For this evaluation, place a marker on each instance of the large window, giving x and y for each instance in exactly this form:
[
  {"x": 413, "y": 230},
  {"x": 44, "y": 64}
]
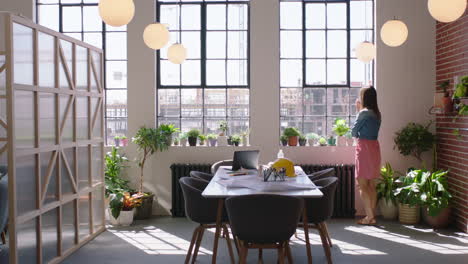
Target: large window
[
  {"x": 213, "y": 83},
  {"x": 320, "y": 76},
  {"x": 80, "y": 19}
]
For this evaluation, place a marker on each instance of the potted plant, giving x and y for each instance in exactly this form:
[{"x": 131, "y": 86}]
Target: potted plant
[
  {"x": 114, "y": 163},
  {"x": 117, "y": 141},
  {"x": 122, "y": 206},
  {"x": 193, "y": 136},
  {"x": 222, "y": 138},
  {"x": 245, "y": 137},
  {"x": 148, "y": 141},
  {"x": 446, "y": 100},
  {"x": 183, "y": 139},
  {"x": 414, "y": 139},
  {"x": 124, "y": 141},
  {"x": 212, "y": 139},
  {"x": 340, "y": 128},
  {"x": 168, "y": 130},
  {"x": 201, "y": 139},
  {"x": 435, "y": 198},
  {"x": 302, "y": 140},
  {"x": 312, "y": 138},
  {"x": 408, "y": 195},
  {"x": 349, "y": 138},
  {"x": 176, "y": 141},
  {"x": 386, "y": 187},
  {"x": 322, "y": 142},
  {"x": 235, "y": 140},
  {"x": 229, "y": 141},
  {"x": 293, "y": 135},
  {"x": 332, "y": 141},
  {"x": 284, "y": 140},
  {"x": 461, "y": 90}
]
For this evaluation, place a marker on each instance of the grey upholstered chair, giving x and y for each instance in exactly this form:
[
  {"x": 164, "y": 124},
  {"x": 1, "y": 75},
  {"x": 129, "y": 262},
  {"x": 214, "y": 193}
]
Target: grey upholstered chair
[
  {"x": 264, "y": 221},
  {"x": 319, "y": 210},
  {"x": 201, "y": 175},
  {"x": 330, "y": 172},
  {"x": 215, "y": 167},
  {"x": 203, "y": 211},
  {"x": 3, "y": 206}
]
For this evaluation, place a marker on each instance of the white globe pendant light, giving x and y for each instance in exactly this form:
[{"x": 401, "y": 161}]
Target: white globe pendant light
[
  {"x": 177, "y": 53},
  {"x": 116, "y": 13},
  {"x": 394, "y": 33},
  {"x": 365, "y": 51},
  {"x": 156, "y": 36},
  {"x": 446, "y": 10}
]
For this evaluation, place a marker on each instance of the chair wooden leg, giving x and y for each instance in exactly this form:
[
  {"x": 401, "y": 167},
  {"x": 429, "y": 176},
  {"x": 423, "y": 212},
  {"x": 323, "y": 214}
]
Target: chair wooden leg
[
  {"x": 260, "y": 256},
  {"x": 306, "y": 235},
  {"x": 281, "y": 253},
  {"x": 3, "y": 238},
  {"x": 244, "y": 251},
  {"x": 236, "y": 243},
  {"x": 192, "y": 243},
  {"x": 228, "y": 241},
  {"x": 197, "y": 247},
  {"x": 327, "y": 233},
  {"x": 288, "y": 252},
  {"x": 326, "y": 246}
]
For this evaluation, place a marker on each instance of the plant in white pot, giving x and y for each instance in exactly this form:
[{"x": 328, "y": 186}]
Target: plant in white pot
[
  {"x": 183, "y": 139},
  {"x": 245, "y": 137},
  {"x": 386, "y": 187},
  {"x": 312, "y": 139},
  {"x": 212, "y": 139},
  {"x": 341, "y": 128},
  {"x": 435, "y": 198},
  {"x": 122, "y": 206},
  {"x": 222, "y": 138}
]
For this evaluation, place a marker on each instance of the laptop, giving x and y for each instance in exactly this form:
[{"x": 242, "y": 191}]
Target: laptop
[{"x": 247, "y": 159}]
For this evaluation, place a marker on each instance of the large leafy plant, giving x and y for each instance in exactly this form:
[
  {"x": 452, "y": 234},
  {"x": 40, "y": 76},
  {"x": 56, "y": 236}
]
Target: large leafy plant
[
  {"x": 291, "y": 132},
  {"x": 149, "y": 141},
  {"x": 414, "y": 139},
  {"x": 123, "y": 201},
  {"x": 409, "y": 190},
  {"x": 387, "y": 184},
  {"x": 434, "y": 192},
  {"x": 340, "y": 127},
  {"x": 114, "y": 165}
]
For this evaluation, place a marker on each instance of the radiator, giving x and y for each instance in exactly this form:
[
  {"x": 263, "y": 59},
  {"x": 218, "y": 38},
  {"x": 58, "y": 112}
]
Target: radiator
[{"x": 344, "y": 196}]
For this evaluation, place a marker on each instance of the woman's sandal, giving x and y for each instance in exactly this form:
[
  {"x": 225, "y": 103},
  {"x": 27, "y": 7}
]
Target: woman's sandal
[{"x": 367, "y": 221}]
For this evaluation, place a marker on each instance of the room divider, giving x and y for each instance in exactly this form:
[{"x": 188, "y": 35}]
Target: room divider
[{"x": 51, "y": 139}]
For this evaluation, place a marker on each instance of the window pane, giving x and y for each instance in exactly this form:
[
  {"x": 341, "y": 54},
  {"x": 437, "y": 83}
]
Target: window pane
[
  {"x": 169, "y": 102},
  {"x": 337, "y": 44},
  {"x": 216, "y": 45},
  {"x": 238, "y": 102},
  {"x": 216, "y": 17},
  {"x": 215, "y": 102},
  {"x": 291, "y": 102},
  {"x": 169, "y": 15},
  {"x": 91, "y": 19},
  {"x": 338, "y": 101},
  {"x": 49, "y": 16},
  {"x": 71, "y": 19},
  {"x": 315, "y": 101},
  {"x": 290, "y": 122},
  {"x": 237, "y": 44},
  {"x": 116, "y": 126},
  {"x": 316, "y": 73},
  {"x": 238, "y": 126},
  {"x": 336, "y": 72},
  {"x": 94, "y": 39},
  {"x": 170, "y": 73},
  {"x": 291, "y": 15},
  {"x": 74, "y": 35},
  {"x": 212, "y": 125},
  {"x": 358, "y": 36},
  {"x": 237, "y": 72},
  {"x": 191, "y": 41},
  {"x": 361, "y": 14},
  {"x": 116, "y": 74},
  {"x": 191, "y": 123},
  {"x": 315, "y": 47},
  {"x": 336, "y": 16},
  {"x": 361, "y": 73},
  {"x": 215, "y": 72},
  {"x": 315, "y": 16},
  {"x": 291, "y": 44},
  {"x": 291, "y": 73},
  {"x": 190, "y": 17},
  {"x": 192, "y": 100},
  {"x": 116, "y": 46},
  {"x": 191, "y": 72},
  {"x": 315, "y": 124},
  {"x": 353, "y": 95},
  {"x": 116, "y": 99},
  {"x": 237, "y": 17}
]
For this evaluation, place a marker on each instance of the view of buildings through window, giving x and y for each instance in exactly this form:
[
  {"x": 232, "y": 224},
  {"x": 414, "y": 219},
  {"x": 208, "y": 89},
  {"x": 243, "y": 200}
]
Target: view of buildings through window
[
  {"x": 213, "y": 83},
  {"x": 320, "y": 76},
  {"x": 80, "y": 19}
]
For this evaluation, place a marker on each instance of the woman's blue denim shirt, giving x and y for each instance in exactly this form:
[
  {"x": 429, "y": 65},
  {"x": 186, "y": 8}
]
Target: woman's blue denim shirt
[{"x": 366, "y": 126}]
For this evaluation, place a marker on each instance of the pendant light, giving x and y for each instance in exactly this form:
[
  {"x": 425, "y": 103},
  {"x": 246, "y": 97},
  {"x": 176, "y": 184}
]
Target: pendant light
[
  {"x": 394, "y": 33},
  {"x": 177, "y": 52},
  {"x": 446, "y": 10},
  {"x": 156, "y": 36},
  {"x": 365, "y": 51},
  {"x": 116, "y": 13}
]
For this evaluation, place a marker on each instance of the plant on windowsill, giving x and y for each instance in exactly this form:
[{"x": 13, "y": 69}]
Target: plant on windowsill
[
  {"x": 349, "y": 139},
  {"x": 312, "y": 138},
  {"x": 223, "y": 128},
  {"x": 386, "y": 187},
  {"x": 322, "y": 142},
  {"x": 414, "y": 139},
  {"x": 293, "y": 135},
  {"x": 212, "y": 139},
  {"x": 302, "y": 140},
  {"x": 284, "y": 140},
  {"x": 331, "y": 141},
  {"x": 117, "y": 141},
  {"x": 193, "y": 136},
  {"x": 148, "y": 141},
  {"x": 183, "y": 139},
  {"x": 436, "y": 199},
  {"x": 245, "y": 137},
  {"x": 168, "y": 130},
  {"x": 124, "y": 141},
  {"x": 340, "y": 128},
  {"x": 235, "y": 140},
  {"x": 176, "y": 141},
  {"x": 121, "y": 207},
  {"x": 408, "y": 195},
  {"x": 201, "y": 139}
]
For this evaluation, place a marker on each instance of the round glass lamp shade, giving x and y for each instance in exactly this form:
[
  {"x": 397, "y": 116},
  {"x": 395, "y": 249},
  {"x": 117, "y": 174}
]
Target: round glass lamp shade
[
  {"x": 394, "y": 33},
  {"x": 446, "y": 10},
  {"x": 156, "y": 36},
  {"x": 365, "y": 51},
  {"x": 116, "y": 13},
  {"x": 177, "y": 53}
]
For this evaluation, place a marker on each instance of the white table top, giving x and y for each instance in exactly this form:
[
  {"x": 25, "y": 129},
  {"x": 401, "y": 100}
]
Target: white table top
[{"x": 217, "y": 190}]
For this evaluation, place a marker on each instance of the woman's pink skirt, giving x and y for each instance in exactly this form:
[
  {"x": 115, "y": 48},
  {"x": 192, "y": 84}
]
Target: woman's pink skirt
[{"x": 368, "y": 159}]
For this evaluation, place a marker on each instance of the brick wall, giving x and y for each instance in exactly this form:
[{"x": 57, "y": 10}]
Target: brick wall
[{"x": 451, "y": 61}]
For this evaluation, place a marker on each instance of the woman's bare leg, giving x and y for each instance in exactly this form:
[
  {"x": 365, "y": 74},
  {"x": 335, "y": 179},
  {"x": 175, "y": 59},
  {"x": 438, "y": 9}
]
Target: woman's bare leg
[
  {"x": 372, "y": 195},
  {"x": 366, "y": 196}
]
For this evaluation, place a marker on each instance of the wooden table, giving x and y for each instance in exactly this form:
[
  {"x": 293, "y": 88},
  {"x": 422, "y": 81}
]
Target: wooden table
[{"x": 218, "y": 191}]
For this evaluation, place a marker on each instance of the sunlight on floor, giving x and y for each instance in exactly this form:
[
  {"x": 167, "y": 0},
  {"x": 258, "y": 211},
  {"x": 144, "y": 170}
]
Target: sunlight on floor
[
  {"x": 155, "y": 241},
  {"x": 407, "y": 240}
]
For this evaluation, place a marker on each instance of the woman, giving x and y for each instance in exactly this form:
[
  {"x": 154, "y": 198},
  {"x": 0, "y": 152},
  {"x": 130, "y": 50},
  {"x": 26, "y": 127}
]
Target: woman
[{"x": 366, "y": 130}]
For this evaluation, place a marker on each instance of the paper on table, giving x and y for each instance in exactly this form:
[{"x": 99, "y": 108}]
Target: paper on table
[{"x": 256, "y": 183}]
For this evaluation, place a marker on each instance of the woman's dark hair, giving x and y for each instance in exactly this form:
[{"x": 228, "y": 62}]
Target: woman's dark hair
[{"x": 369, "y": 100}]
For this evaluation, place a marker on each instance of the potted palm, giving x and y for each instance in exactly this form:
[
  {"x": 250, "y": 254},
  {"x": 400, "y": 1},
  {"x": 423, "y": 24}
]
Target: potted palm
[
  {"x": 435, "y": 198},
  {"x": 235, "y": 140},
  {"x": 201, "y": 139},
  {"x": 341, "y": 128},
  {"x": 312, "y": 138},
  {"x": 386, "y": 187},
  {"x": 168, "y": 130},
  {"x": 148, "y": 141},
  {"x": 183, "y": 139},
  {"x": 408, "y": 195},
  {"x": 222, "y": 138},
  {"x": 284, "y": 140},
  {"x": 193, "y": 136},
  {"x": 302, "y": 140},
  {"x": 293, "y": 135},
  {"x": 122, "y": 206},
  {"x": 212, "y": 139}
]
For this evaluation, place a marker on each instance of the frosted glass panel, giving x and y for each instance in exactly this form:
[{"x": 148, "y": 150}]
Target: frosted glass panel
[
  {"x": 46, "y": 60},
  {"x": 68, "y": 226},
  {"x": 82, "y": 117},
  {"x": 66, "y": 175},
  {"x": 97, "y": 66},
  {"x": 67, "y": 132},
  {"x": 27, "y": 243},
  {"x": 2, "y": 76},
  {"x": 49, "y": 236},
  {"x": 23, "y": 54},
  {"x": 98, "y": 123},
  {"x": 67, "y": 49},
  {"x": 84, "y": 219},
  {"x": 97, "y": 164},
  {"x": 98, "y": 209},
  {"x": 25, "y": 184},
  {"x": 83, "y": 167},
  {"x": 47, "y": 118},
  {"x": 51, "y": 194},
  {"x": 24, "y": 119},
  {"x": 81, "y": 68}
]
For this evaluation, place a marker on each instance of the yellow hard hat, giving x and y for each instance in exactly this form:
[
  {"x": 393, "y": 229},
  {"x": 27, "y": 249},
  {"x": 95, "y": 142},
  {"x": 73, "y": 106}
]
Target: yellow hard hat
[{"x": 287, "y": 164}]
